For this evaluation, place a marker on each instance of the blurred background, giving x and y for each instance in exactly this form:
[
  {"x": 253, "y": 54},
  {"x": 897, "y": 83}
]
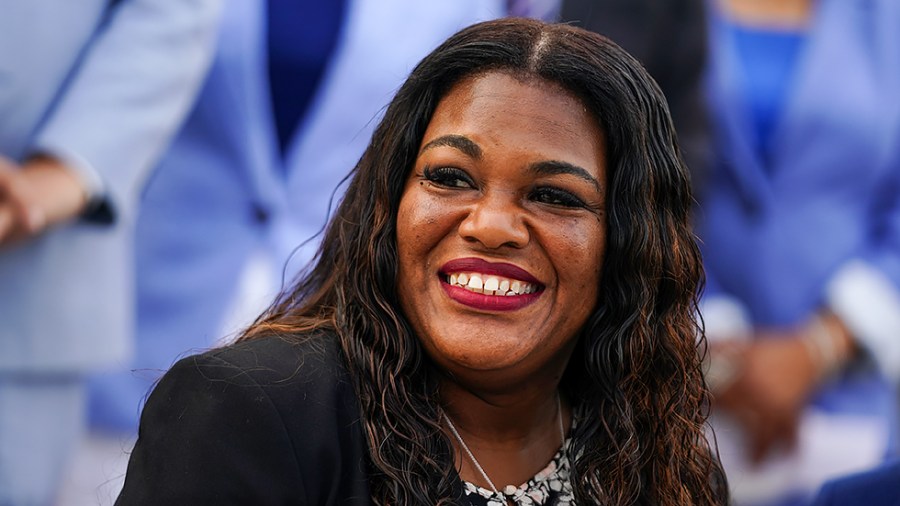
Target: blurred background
[{"x": 166, "y": 167}]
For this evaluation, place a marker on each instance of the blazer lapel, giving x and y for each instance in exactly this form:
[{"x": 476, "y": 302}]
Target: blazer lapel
[
  {"x": 246, "y": 40},
  {"x": 727, "y": 102},
  {"x": 836, "y": 91}
]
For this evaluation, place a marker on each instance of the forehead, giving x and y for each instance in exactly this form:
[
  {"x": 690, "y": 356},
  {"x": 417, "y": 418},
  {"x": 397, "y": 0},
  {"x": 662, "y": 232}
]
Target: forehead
[
  {"x": 499, "y": 110},
  {"x": 499, "y": 91}
]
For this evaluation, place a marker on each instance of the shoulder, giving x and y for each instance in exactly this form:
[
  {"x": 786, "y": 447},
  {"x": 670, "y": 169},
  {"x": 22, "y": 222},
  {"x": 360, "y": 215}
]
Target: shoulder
[
  {"x": 300, "y": 377},
  {"x": 872, "y": 488},
  {"x": 273, "y": 420},
  {"x": 273, "y": 360}
]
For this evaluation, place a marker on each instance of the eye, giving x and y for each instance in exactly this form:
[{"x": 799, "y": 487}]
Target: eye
[
  {"x": 448, "y": 177},
  {"x": 555, "y": 197}
]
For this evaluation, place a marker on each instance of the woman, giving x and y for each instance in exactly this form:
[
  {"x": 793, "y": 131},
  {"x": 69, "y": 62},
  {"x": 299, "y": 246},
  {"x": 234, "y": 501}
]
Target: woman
[
  {"x": 505, "y": 296},
  {"x": 800, "y": 229}
]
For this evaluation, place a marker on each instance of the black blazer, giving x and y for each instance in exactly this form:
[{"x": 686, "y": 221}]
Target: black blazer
[{"x": 264, "y": 422}]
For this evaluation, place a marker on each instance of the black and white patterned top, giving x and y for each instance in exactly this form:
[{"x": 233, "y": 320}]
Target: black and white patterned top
[{"x": 549, "y": 487}]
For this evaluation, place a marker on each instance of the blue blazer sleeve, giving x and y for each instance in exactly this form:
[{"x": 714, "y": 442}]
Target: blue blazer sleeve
[
  {"x": 878, "y": 487},
  {"x": 132, "y": 90}
]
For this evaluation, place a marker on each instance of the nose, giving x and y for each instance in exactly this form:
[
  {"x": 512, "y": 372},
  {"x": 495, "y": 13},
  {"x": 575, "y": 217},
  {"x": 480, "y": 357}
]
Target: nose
[{"x": 495, "y": 221}]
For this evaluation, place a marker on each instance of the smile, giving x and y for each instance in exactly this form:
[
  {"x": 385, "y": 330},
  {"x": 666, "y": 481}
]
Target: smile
[{"x": 491, "y": 285}]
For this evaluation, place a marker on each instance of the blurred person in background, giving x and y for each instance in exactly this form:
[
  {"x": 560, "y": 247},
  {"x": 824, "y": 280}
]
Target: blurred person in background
[
  {"x": 295, "y": 90},
  {"x": 669, "y": 38},
  {"x": 800, "y": 227},
  {"x": 90, "y": 94}
]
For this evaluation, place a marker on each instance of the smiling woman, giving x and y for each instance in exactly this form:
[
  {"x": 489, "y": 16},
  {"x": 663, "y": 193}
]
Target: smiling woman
[
  {"x": 485, "y": 203},
  {"x": 502, "y": 311}
]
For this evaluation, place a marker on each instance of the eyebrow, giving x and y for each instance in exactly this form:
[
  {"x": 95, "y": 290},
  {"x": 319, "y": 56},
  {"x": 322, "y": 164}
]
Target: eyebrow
[
  {"x": 554, "y": 167},
  {"x": 544, "y": 168},
  {"x": 459, "y": 142}
]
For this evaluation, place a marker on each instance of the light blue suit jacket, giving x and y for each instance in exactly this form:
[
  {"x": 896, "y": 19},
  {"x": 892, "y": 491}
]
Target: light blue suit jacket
[
  {"x": 223, "y": 191},
  {"x": 104, "y": 89}
]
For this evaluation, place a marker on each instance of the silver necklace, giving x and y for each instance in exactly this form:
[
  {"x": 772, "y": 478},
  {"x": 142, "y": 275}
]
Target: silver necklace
[{"x": 562, "y": 436}]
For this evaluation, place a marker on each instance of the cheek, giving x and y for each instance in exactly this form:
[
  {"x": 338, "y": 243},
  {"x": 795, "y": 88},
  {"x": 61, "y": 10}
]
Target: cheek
[
  {"x": 408, "y": 232},
  {"x": 407, "y": 241},
  {"x": 422, "y": 222},
  {"x": 579, "y": 252}
]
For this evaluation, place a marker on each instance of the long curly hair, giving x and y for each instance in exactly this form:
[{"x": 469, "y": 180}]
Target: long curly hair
[{"x": 635, "y": 382}]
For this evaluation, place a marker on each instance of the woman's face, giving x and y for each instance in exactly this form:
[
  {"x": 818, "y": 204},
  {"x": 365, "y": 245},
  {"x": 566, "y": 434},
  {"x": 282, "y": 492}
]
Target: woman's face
[{"x": 501, "y": 227}]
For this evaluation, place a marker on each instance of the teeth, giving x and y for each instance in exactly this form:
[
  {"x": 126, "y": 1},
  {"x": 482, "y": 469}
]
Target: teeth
[
  {"x": 475, "y": 284},
  {"x": 490, "y": 285}
]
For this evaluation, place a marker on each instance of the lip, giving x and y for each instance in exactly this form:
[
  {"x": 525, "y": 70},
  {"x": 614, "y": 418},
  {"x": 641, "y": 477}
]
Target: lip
[
  {"x": 488, "y": 302},
  {"x": 483, "y": 266}
]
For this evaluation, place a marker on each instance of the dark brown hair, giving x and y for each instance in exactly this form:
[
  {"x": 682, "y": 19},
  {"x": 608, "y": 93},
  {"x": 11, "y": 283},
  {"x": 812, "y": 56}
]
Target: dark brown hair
[{"x": 635, "y": 384}]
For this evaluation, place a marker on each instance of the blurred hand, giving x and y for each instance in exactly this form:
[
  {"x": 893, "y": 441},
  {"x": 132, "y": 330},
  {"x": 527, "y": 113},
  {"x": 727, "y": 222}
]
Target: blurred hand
[
  {"x": 778, "y": 371},
  {"x": 40, "y": 194}
]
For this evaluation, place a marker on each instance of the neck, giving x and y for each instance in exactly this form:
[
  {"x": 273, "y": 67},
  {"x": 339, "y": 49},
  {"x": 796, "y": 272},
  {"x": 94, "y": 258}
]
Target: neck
[
  {"x": 512, "y": 436},
  {"x": 769, "y": 13}
]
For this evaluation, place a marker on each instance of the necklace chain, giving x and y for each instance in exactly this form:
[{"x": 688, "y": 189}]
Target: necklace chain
[{"x": 562, "y": 435}]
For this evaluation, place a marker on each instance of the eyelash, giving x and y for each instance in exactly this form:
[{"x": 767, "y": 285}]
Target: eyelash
[
  {"x": 555, "y": 197},
  {"x": 448, "y": 177},
  {"x": 451, "y": 177}
]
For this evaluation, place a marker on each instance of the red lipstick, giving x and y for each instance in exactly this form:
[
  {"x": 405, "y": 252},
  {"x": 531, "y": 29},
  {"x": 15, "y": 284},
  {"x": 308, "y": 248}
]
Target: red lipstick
[
  {"x": 488, "y": 302},
  {"x": 485, "y": 267}
]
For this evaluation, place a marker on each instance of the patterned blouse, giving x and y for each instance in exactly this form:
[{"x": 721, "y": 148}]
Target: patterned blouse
[{"x": 549, "y": 487}]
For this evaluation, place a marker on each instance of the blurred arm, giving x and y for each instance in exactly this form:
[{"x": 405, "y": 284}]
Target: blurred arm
[
  {"x": 127, "y": 98},
  {"x": 42, "y": 193}
]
